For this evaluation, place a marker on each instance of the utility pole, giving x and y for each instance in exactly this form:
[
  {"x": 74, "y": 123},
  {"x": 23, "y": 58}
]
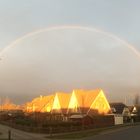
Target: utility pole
[{"x": 9, "y": 134}]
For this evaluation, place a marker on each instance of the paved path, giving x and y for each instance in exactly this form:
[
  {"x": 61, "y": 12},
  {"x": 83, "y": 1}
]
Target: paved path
[
  {"x": 20, "y": 135},
  {"x": 128, "y": 133}
]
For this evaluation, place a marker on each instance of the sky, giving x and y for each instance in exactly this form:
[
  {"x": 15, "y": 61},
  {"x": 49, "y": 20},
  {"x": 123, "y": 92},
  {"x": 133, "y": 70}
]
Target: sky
[{"x": 37, "y": 66}]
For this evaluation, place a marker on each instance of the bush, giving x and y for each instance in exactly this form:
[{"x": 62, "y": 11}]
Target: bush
[
  {"x": 25, "y": 121},
  {"x": 60, "y": 123}
]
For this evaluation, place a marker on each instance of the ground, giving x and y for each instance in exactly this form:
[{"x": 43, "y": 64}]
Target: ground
[
  {"x": 19, "y": 135},
  {"x": 122, "y": 133},
  {"x": 129, "y": 133}
]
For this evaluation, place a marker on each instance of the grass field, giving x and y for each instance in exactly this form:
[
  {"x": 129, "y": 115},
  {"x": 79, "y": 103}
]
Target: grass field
[
  {"x": 86, "y": 133},
  {"x": 78, "y": 135}
]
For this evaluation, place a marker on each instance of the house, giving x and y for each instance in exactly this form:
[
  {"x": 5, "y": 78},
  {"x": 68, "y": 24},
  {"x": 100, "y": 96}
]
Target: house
[
  {"x": 121, "y": 109},
  {"x": 62, "y": 105},
  {"x": 136, "y": 110},
  {"x": 40, "y": 104},
  {"x": 88, "y": 102},
  {"x": 93, "y": 121},
  {"x": 83, "y": 119},
  {"x": 135, "y": 113}
]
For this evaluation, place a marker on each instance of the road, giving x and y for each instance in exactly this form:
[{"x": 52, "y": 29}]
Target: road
[
  {"x": 129, "y": 133},
  {"x": 19, "y": 135}
]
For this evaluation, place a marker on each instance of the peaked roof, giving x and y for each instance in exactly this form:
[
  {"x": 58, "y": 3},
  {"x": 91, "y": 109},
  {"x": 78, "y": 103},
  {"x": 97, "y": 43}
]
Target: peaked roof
[
  {"x": 79, "y": 101},
  {"x": 46, "y": 101},
  {"x": 38, "y": 104},
  {"x": 119, "y": 107},
  {"x": 61, "y": 102},
  {"x": 137, "y": 111},
  {"x": 85, "y": 98},
  {"x": 64, "y": 99},
  {"x": 90, "y": 96},
  {"x": 79, "y": 94}
]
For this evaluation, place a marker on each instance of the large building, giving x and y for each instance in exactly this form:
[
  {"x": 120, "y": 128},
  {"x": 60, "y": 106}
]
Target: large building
[
  {"x": 77, "y": 102},
  {"x": 40, "y": 104}
]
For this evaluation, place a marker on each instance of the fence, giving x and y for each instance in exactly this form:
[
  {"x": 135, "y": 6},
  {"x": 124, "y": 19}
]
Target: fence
[{"x": 98, "y": 122}]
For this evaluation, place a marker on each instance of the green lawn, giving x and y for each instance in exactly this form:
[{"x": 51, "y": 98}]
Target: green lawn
[
  {"x": 77, "y": 135},
  {"x": 71, "y": 136}
]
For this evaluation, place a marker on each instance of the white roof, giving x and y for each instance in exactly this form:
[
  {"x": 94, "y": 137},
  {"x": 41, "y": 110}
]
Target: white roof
[{"x": 77, "y": 116}]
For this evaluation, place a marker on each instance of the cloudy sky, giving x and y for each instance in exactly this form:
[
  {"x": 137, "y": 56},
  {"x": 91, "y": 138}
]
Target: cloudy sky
[{"x": 62, "y": 60}]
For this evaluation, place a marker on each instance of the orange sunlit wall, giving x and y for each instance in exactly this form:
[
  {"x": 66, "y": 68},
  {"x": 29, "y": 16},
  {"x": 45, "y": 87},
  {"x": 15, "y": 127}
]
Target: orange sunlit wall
[{"x": 79, "y": 101}]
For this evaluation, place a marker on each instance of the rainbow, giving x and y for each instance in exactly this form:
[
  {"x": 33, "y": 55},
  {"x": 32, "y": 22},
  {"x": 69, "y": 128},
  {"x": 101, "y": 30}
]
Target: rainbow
[{"x": 77, "y": 27}]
